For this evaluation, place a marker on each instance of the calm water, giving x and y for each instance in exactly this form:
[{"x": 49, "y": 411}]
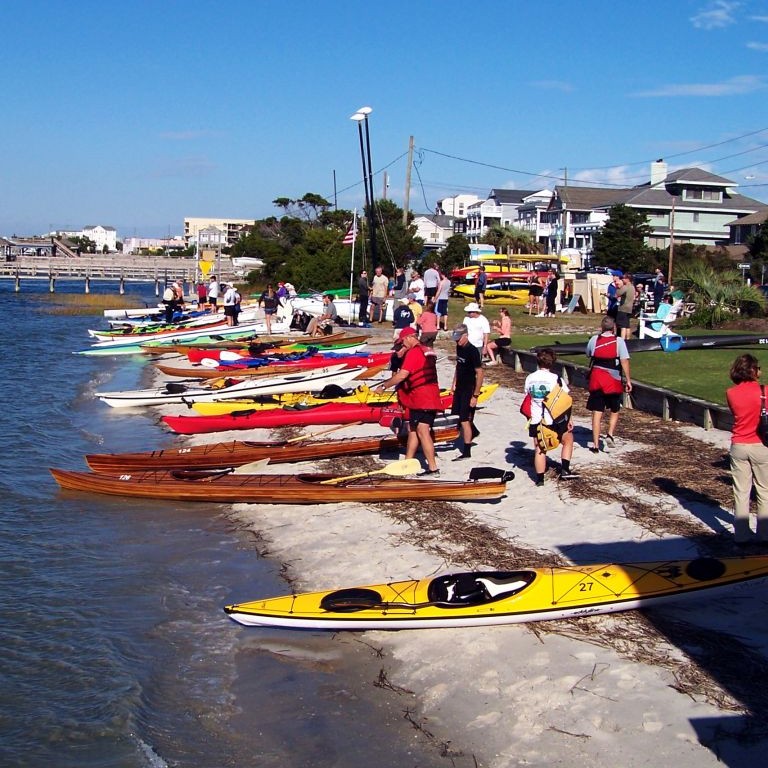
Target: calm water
[{"x": 114, "y": 647}]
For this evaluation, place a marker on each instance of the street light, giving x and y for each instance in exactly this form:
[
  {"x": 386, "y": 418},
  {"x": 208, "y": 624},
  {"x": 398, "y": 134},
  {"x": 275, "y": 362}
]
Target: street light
[{"x": 360, "y": 117}]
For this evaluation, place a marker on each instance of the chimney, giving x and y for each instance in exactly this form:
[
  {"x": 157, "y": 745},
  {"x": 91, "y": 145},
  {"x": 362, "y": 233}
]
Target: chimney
[{"x": 658, "y": 172}]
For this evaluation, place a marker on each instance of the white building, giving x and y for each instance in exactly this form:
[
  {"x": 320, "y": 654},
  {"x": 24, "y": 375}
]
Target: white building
[
  {"x": 498, "y": 209},
  {"x": 433, "y": 229},
  {"x": 138, "y": 244},
  {"x": 456, "y": 205},
  {"x": 104, "y": 237},
  {"x": 232, "y": 228}
]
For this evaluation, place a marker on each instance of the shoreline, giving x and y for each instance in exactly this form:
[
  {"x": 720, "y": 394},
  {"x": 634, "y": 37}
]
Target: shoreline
[{"x": 553, "y": 692}]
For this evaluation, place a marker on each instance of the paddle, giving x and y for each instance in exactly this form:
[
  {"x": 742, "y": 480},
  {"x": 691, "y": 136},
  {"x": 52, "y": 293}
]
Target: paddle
[
  {"x": 310, "y": 435},
  {"x": 250, "y": 468},
  {"x": 394, "y": 469}
]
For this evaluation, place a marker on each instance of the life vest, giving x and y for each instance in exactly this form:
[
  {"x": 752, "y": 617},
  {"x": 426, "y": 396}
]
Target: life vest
[{"x": 605, "y": 373}]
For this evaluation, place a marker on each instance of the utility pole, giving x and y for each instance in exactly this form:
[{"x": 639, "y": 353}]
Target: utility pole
[
  {"x": 671, "y": 242},
  {"x": 386, "y": 186},
  {"x": 407, "y": 197}
]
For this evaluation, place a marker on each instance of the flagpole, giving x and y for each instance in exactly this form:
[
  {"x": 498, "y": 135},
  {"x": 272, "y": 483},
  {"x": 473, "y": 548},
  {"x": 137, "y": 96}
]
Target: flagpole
[{"x": 352, "y": 266}]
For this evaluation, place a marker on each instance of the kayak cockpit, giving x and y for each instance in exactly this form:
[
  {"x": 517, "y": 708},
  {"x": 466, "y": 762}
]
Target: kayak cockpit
[{"x": 477, "y": 588}]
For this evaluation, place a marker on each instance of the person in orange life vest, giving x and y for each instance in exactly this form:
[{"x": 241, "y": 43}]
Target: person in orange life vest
[
  {"x": 419, "y": 392},
  {"x": 608, "y": 379}
]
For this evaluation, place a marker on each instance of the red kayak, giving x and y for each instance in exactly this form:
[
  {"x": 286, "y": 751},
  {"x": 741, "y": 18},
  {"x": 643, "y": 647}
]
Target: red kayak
[{"x": 327, "y": 413}]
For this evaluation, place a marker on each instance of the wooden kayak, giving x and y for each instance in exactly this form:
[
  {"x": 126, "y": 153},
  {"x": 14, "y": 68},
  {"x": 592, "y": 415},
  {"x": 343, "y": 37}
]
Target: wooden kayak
[
  {"x": 482, "y": 598},
  {"x": 361, "y": 394},
  {"x": 224, "y": 486},
  {"x": 273, "y": 418},
  {"x": 235, "y": 453},
  {"x": 273, "y": 366}
]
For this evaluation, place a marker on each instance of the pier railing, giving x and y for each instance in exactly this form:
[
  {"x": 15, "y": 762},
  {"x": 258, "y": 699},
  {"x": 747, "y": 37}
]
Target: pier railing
[{"x": 109, "y": 267}]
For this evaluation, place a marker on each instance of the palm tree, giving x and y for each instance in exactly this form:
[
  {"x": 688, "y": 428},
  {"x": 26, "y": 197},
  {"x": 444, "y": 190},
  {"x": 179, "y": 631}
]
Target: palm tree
[
  {"x": 720, "y": 295},
  {"x": 509, "y": 240}
]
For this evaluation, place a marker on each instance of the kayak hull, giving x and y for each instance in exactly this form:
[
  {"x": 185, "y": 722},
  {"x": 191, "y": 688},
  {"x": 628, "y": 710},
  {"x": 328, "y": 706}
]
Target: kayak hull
[
  {"x": 235, "y": 453},
  {"x": 225, "y": 487},
  {"x": 488, "y": 598}
]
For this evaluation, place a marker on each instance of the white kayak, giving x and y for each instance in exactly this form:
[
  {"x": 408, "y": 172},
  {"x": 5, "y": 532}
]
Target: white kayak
[
  {"x": 127, "y": 345},
  {"x": 178, "y": 393}
]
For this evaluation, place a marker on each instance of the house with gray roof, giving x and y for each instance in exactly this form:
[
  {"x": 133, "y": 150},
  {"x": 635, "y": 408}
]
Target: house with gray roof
[
  {"x": 689, "y": 205},
  {"x": 498, "y": 209}
]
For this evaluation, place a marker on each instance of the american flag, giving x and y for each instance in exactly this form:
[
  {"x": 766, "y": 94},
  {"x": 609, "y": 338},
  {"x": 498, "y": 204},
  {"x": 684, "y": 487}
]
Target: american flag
[{"x": 349, "y": 238}]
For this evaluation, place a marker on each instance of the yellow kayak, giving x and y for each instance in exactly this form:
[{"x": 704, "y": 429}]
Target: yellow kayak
[
  {"x": 512, "y": 292},
  {"x": 502, "y": 597},
  {"x": 362, "y": 394}
]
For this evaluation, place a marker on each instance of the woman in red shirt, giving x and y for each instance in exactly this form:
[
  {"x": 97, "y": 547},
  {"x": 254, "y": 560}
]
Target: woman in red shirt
[{"x": 749, "y": 457}]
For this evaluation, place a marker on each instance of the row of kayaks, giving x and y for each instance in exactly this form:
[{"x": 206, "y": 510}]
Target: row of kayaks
[{"x": 232, "y": 472}]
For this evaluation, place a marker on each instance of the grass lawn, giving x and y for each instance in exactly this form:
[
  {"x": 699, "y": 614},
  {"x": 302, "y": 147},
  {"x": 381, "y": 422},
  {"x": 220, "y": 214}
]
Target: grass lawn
[{"x": 699, "y": 373}]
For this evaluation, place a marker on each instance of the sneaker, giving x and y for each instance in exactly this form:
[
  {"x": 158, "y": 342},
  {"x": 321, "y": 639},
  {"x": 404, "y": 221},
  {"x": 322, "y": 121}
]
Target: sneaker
[
  {"x": 539, "y": 483},
  {"x": 569, "y": 475},
  {"x": 594, "y": 450},
  {"x": 461, "y": 457},
  {"x": 429, "y": 472},
  {"x": 609, "y": 441}
]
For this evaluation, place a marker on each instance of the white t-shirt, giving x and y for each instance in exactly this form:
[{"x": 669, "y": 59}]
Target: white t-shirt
[
  {"x": 444, "y": 289},
  {"x": 213, "y": 290},
  {"x": 431, "y": 278},
  {"x": 538, "y": 385},
  {"x": 477, "y": 327},
  {"x": 230, "y": 297},
  {"x": 417, "y": 289}
]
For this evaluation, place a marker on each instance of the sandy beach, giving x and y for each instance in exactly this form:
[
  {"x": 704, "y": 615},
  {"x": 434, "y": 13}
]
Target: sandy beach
[{"x": 670, "y": 686}]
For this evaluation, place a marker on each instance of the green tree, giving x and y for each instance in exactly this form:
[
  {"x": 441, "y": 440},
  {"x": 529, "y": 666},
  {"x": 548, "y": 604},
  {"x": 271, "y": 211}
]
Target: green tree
[
  {"x": 454, "y": 254},
  {"x": 758, "y": 243},
  {"x": 508, "y": 240},
  {"x": 719, "y": 295},
  {"x": 621, "y": 242},
  {"x": 397, "y": 245}
]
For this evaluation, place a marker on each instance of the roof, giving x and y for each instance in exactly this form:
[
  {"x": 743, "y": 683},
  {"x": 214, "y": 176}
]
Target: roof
[
  {"x": 758, "y": 217},
  {"x": 439, "y": 219},
  {"x": 510, "y": 196},
  {"x": 698, "y": 176}
]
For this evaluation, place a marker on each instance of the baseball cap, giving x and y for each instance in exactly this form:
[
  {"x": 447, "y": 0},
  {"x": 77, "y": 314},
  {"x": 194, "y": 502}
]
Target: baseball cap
[
  {"x": 459, "y": 331},
  {"x": 407, "y": 331}
]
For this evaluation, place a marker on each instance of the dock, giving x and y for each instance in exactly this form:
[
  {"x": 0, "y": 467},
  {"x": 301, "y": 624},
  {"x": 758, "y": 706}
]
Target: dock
[{"x": 131, "y": 268}]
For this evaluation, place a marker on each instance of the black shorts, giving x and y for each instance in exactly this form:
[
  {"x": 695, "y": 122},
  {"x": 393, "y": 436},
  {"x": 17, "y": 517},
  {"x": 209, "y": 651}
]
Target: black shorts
[
  {"x": 502, "y": 342},
  {"x": 622, "y": 319},
  {"x": 418, "y": 416},
  {"x": 230, "y": 311},
  {"x": 430, "y": 293},
  {"x": 599, "y": 401},
  {"x": 536, "y": 290},
  {"x": 461, "y": 406},
  {"x": 479, "y": 294},
  {"x": 212, "y": 300}
]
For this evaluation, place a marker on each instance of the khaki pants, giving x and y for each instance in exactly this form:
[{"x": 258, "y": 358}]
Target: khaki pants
[{"x": 749, "y": 466}]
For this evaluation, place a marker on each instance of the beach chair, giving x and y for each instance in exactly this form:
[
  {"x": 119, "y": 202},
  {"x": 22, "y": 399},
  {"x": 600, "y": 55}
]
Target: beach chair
[{"x": 654, "y": 325}]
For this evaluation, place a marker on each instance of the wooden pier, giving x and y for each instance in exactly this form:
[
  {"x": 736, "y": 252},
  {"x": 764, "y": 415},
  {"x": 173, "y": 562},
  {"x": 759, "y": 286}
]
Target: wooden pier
[{"x": 131, "y": 268}]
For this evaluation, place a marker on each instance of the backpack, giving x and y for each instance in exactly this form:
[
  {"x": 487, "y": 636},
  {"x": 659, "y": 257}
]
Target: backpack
[
  {"x": 558, "y": 404},
  {"x": 168, "y": 294}
]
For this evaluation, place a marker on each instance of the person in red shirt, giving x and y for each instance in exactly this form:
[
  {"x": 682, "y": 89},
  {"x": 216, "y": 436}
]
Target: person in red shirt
[
  {"x": 749, "y": 457},
  {"x": 418, "y": 392}
]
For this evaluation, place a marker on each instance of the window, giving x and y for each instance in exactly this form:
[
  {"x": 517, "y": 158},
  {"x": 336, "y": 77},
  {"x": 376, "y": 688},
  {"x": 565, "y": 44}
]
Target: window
[{"x": 708, "y": 195}]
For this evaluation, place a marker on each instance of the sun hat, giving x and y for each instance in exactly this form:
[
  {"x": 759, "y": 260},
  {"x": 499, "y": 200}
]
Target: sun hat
[
  {"x": 459, "y": 331},
  {"x": 404, "y": 300},
  {"x": 472, "y": 307}
]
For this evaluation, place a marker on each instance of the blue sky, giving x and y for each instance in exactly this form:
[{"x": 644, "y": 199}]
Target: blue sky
[{"x": 137, "y": 114}]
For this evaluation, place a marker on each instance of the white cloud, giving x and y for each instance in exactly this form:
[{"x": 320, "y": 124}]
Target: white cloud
[
  {"x": 717, "y": 15},
  {"x": 758, "y": 46},
  {"x": 553, "y": 85},
  {"x": 763, "y": 19},
  {"x": 735, "y": 86}
]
